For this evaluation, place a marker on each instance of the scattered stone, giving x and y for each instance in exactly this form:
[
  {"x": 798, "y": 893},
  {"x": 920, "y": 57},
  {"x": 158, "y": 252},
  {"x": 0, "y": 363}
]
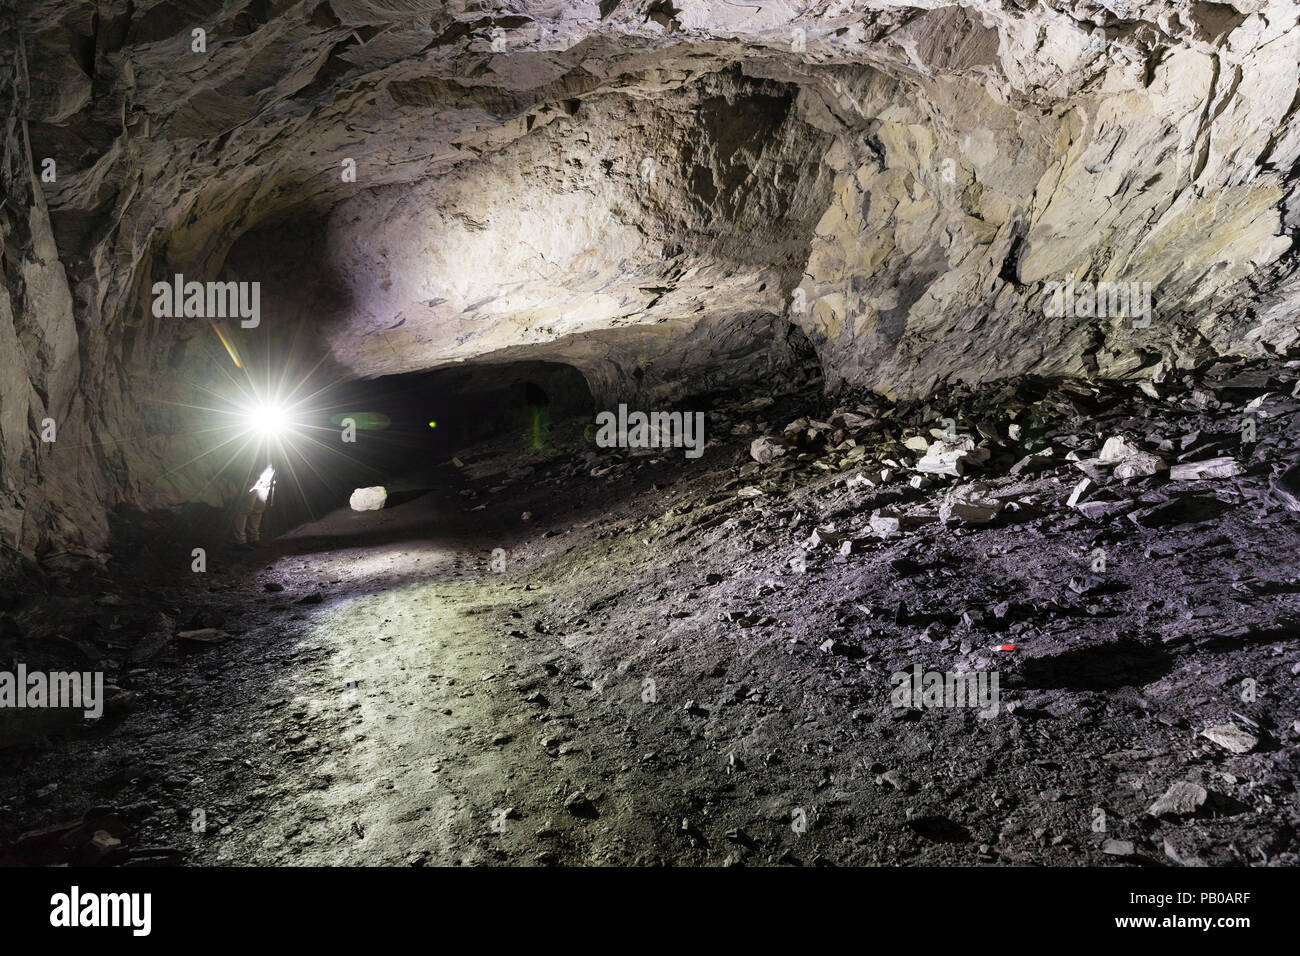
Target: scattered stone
[
  {"x": 917, "y": 443},
  {"x": 1181, "y": 799},
  {"x": 859, "y": 483},
  {"x": 1087, "y": 584},
  {"x": 824, "y": 535},
  {"x": 951, "y": 457},
  {"x": 796, "y": 427},
  {"x": 1079, "y": 491},
  {"x": 764, "y": 450},
  {"x": 1100, "y": 510},
  {"x": 1034, "y": 462},
  {"x": 1117, "y": 848},
  {"x": 897, "y": 780},
  {"x": 1116, "y": 450},
  {"x": 1210, "y": 468},
  {"x": 885, "y": 524},
  {"x": 1285, "y": 488},
  {"x": 969, "y": 504},
  {"x": 1093, "y": 468},
  {"x": 1231, "y": 737},
  {"x": 368, "y": 499},
  {"x": 1141, "y": 465},
  {"x": 580, "y": 805},
  {"x": 103, "y": 841}
]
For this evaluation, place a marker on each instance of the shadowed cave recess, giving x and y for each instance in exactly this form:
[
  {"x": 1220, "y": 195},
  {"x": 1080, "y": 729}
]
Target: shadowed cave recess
[{"x": 703, "y": 433}]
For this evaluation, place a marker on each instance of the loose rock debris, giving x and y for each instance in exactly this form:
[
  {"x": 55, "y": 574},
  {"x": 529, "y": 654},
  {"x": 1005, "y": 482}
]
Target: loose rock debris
[{"x": 714, "y": 644}]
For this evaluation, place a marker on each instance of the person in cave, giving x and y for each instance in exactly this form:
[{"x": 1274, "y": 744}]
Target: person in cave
[{"x": 250, "y": 506}]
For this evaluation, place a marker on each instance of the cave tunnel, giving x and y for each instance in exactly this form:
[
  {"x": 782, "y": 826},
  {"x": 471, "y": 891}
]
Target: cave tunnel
[
  {"x": 699, "y": 435},
  {"x": 404, "y": 431}
]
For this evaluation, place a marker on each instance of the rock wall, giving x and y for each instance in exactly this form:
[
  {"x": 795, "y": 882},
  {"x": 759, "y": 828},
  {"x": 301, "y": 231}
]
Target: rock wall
[
  {"x": 48, "y": 473},
  {"x": 934, "y": 260},
  {"x": 91, "y": 409}
]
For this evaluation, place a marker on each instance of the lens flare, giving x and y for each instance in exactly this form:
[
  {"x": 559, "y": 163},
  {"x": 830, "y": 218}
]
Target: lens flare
[
  {"x": 230, "y": 346},
  {"x": 269, "y": 419},
  {"x": 363, "y": 421}
]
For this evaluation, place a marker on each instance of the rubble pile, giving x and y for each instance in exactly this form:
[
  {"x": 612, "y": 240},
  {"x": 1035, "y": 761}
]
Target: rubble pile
[
  {"x": 684, "y": 650},
  {"x": 1103, "y": 449}
]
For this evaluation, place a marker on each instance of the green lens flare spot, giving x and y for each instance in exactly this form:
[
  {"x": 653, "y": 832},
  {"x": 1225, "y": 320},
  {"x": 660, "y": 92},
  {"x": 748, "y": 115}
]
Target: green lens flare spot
[{"x": 365, "y": 421}]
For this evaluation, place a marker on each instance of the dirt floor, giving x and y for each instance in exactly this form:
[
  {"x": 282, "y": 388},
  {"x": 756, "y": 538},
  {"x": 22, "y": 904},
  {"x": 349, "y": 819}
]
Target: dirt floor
[{"x": 675, "y": 661}]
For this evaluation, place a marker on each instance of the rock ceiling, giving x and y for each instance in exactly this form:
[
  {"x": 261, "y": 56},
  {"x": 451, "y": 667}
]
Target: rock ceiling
[{"x": 601, "y": 182}]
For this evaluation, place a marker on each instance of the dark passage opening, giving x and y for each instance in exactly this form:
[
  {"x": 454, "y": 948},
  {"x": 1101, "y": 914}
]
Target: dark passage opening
[{"x": 404, "y": 428}]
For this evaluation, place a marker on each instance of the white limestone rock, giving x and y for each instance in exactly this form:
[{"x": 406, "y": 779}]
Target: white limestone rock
[{"x": 368, "y": 499}]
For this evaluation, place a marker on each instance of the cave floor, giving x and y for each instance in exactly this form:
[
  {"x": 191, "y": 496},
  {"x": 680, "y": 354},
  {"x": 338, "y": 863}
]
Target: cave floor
[{"x": 649, "y": 681}]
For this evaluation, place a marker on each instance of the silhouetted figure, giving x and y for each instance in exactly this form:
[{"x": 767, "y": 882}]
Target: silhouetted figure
[{"x": 249, "y": 508}]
